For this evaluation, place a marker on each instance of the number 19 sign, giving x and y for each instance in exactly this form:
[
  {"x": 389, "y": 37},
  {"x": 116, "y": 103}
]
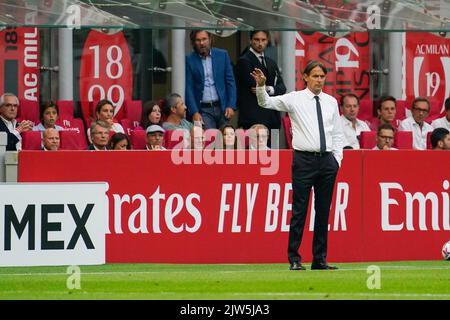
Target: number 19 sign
[{"x": 106, "y": 71}]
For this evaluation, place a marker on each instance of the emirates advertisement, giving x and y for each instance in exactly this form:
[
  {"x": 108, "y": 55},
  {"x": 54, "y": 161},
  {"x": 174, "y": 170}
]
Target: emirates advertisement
[
  {"x": 19, "y": 62},
  {"x": 347, "y": 60},
  {"x": 427, "y": 67},
  {"x": 197, "y": 207}
]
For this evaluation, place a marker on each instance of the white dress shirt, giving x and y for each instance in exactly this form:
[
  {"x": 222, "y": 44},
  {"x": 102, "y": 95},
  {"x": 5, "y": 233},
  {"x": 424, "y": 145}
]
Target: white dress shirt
[
  {"x": 419, "y": 135},
  {"x": 11, "y": 125},
  {"x": 441, "y": 123},
  {"x": 351, "y": 135},
  {"x": 301, "y": 107}
]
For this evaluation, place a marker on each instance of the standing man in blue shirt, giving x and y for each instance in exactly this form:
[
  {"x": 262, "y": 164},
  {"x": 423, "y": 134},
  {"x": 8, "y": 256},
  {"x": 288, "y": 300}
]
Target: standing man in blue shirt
[{"x": 210, "y": 83}]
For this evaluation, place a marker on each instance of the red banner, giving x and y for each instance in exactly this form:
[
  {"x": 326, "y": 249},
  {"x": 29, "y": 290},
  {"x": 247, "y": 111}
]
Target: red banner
[
  {"x": 106, "y": 71},
  {"x": 347, "y": 60},
  {"x": 19, "y": 62},
  {"x": 187, "y": 208},
  {"x": 427, "y": 67}
]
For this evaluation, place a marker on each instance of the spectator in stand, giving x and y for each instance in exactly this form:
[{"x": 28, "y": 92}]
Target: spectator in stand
[
  {"x": 50, "y": 139},
  {"x": 210, "y": 84},
  {"x": 420, "y": 110},
  {"x": 104, "y": 111},
  {"x": 9, "y": 104},
  {"x": 155, "y": 138},
  {"x": 197, "y": 138},
  {"x": 351, "y": 125},
  {"x": 49, "y": 114},
  {"x": 175, "y": 111},
  {"x": 228, "y": 137},
  {"x": 443, "y": 122},
  {"x": 258, "y": 137},
  {"x": 100, "y": 135},
  {"x": 386, "y": 110},
  {"x": 119, "y": 141},
  {"x": 385, "y": 137},
  {"x": 440, "y": 139},
  {"x": 151, "y": 114}
]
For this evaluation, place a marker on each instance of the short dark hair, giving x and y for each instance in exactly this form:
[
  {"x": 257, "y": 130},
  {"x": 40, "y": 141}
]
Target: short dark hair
[
  {"x": 194, "y": 33},
  {"x": 252, "y": 33},
  {"x": 44, "y": 107},
  {"x": 437, "y": 135},
  {"x": 100, "y": 104},
  {"x": 312, "y": 64},
  {"x": 447, "y": 104},
  {"x": 385, "y": 98},
  {"x": 146, "y": 110},
  {"x": 116, "y": 138},
  {"x": 169, "y": 102},
  {"x": 421, "y": 99},
  {"x": 385, "y": 126},
  {"x": 348, "y": 95}
]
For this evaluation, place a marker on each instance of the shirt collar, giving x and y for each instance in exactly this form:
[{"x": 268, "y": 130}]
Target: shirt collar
[
  {"x": 13, "y": 122},
  {"x": 256, "y": 53},
  {"x": 311, "y": 95}
]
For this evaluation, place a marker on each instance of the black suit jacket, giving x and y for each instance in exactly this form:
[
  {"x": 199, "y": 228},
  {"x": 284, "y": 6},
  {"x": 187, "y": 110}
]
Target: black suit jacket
[
  {"x": 12, "y": 139},
  {"x": 249, "y": 111}
]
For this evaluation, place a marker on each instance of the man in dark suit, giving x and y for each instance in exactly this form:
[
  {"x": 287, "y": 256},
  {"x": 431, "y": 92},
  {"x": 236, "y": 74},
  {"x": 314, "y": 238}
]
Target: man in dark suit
[
  {"x": 249, "y": 111},
  {"x": 210, "y": 85}
]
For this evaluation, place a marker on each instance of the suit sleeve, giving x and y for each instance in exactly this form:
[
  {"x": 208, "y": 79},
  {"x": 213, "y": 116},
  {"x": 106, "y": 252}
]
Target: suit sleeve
[
  {"x": 191, "y": 104},
  {"x": 230, "y": 83},
  {"x": 243, "y": 76}
]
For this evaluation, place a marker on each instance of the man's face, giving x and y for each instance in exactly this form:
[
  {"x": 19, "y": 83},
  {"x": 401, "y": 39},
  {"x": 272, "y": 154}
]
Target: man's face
[
  {"x": 350, "y": 108},
  {"x": 315, "y": 80},
  {"x": 49, "y": 117},
  {"x": 420, "y": 111},
  {"x": 155, "y": 139},
  {"x": 197, "y": 138},
  {"x": 9, "y": 108},
  {"x": 385, "y": 139},
  {"x": 51, "y": 139},
  {"x": 202, "y": 43},
  {"x": 259, "y": 42},
  {"x": 445, "y": 143},
  {"x": 100, "y": 137},
  {"x": 387, "y": 111},
  {"x": 258, "y": 138},
  {"x": 180, "y": 108}
]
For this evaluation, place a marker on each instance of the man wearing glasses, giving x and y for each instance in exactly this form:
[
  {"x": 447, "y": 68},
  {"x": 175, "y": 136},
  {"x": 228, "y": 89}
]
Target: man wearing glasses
[
  {"x": 420, "y": 110},
  {"x": 385, "y": 137},
  {"x": 9, "y": 104}
]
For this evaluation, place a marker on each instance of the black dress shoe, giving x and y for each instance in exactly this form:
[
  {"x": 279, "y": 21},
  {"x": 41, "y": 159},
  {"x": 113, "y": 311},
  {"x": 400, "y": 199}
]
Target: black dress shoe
[
  {"x": 296, "y": 266},
  {"x": 322, "y": 266}
]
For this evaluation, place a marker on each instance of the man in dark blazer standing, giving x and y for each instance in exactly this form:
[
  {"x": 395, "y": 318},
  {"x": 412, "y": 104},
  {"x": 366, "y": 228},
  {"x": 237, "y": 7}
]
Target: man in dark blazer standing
[
  {"x": 249, "y": 111},
  {"x": 210, "y": 85}
]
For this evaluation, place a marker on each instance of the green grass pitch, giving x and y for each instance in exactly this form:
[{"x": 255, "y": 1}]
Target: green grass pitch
[{"x": 397, "y": 280}]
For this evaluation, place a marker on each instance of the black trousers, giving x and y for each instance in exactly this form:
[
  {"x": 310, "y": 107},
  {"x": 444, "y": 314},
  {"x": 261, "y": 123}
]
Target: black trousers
[{"x": 318, "y": 171}]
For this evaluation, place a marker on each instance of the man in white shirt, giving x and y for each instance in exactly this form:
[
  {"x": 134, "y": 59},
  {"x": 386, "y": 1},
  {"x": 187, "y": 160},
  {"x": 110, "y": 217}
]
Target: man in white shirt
[
  {"x": 385, "y": 137},
  {"x": 154, "y": 138},
  {"x": 9, "y": 105},
  {"x": 351, "y": 125},
  {"x": 420, "y": 110},
  {"x": 443, "y": 122},
  {"x": 317, "y": 143}
]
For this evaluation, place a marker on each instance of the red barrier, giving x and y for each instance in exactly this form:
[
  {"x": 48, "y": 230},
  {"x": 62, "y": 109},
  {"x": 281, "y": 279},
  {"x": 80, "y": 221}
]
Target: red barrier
[{"x": 161, "y": 211}]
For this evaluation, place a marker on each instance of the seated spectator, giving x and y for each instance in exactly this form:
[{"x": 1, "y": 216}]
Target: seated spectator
[
  {"x": 100, "y": 135},
  {"x": 104, "y": 111},
  {"x": 258, "y": 137},
  {"x": 385, "y": 137},
  {"x": 197, "y": 138},
  {"x": 151, "y": 114},
  {"x": 155, "y": 138},
  {"x": 386, "y": 110},
  {"x": 351, "y": 125},
  {"x": 443, "y": 122},
  {"x": 229, "y": 139},
  {"x": 50, "y": 139},
  {"x": 440, "y": 139},
  {"x": 420, "y": 110},
  {"x": 49, "y": 114},
  {"x": 9, "y": 105},
  {"x": 175, "y": 111},
  {"x": 119, "y": 141}
]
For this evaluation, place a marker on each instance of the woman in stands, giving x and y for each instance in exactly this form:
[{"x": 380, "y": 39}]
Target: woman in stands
[
  {"x": 229, "y": 137},
  {"x": 49, "y": 114},
  {"x": 151, "y": 114},
  {"x": 104, "y": 111},
  {"x": 119, "y": 141}
]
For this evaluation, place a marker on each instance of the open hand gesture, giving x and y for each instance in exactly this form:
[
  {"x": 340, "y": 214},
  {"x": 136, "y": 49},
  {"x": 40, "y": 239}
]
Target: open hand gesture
[{"x": 259, "y": 77}]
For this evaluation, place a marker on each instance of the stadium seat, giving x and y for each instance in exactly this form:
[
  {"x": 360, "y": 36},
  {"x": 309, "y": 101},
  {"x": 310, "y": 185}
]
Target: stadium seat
[
  {"x": 66, "y": 109},
  {"x": 211, "y": 137},
  {"x": 365, "y": 110},
  {"x": 401, "y": 106},
  {"x": 287, "y": 130},
  {"x": 129, "y": 125},
  {"x": 435, "y": 111},
  {"x": 29, "y": 110},
  {"x": 137, "y": 139},
  {"x": 72, "y": 140},
  {"x": 429, "y": 146},
  {"x": 173, "y": 139},
  {"x": 31, "y": 140},
  {"x": 242, "y": 139},
  {"x": 403, "y": 140},
  {"x": 133, "y": 110},
  {"x": 368, "y": 139}
]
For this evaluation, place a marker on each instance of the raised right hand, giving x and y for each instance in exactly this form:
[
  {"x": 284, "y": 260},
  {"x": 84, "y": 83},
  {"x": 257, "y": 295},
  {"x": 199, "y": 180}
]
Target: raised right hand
[{"x": 259, "y": 77}]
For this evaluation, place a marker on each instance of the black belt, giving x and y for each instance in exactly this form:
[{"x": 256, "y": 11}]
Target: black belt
[
  {"x": 210, "y": 104},
  {"x": 314, "y": 153}
]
